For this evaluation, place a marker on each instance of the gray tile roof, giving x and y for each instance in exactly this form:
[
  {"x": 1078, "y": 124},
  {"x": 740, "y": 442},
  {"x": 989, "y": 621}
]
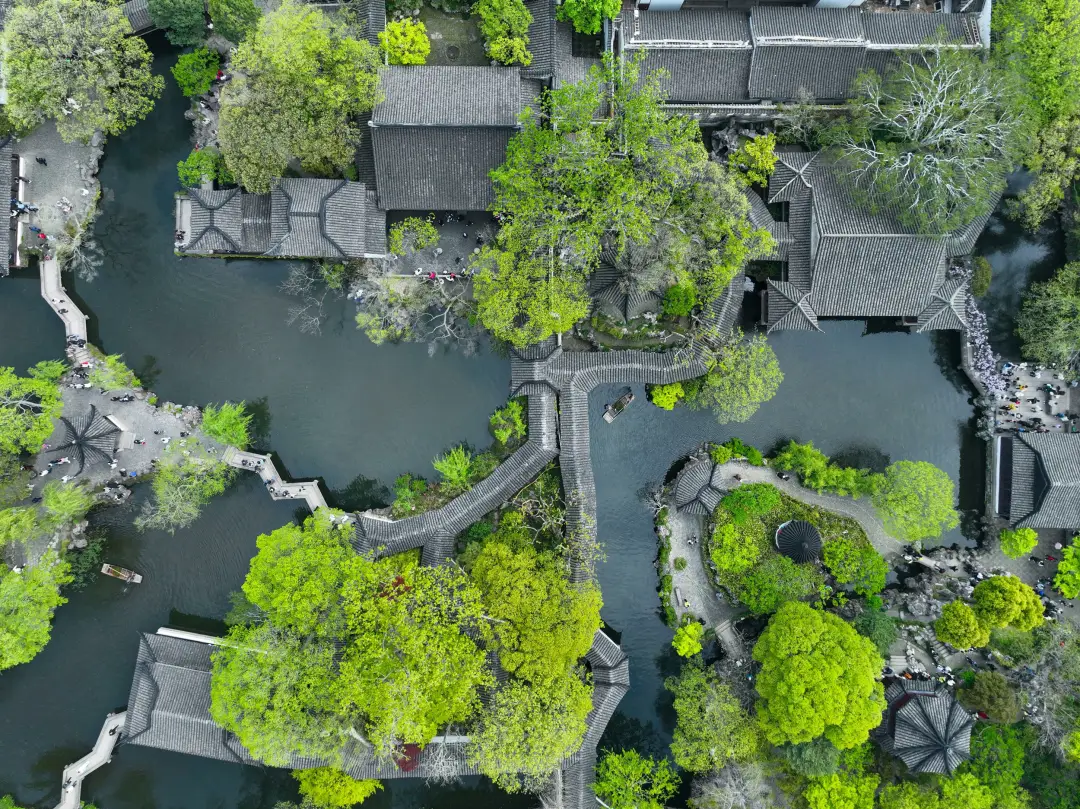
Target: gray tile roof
[
  {"x": 700, "y": 76},
  {"x": 1046, "y": 480},
  {"x": 617, "y": 296},
  {"x": 569, "y": 69},
  {"x": 314, "y": 218},
  {"x": 774, "y": 24},
  {"x": 138, "y": 14},
  {"x": 899, "y": 29},
  {"x": 782, "y": 72},
  {"x": 448, "y": 96},
  {"x": 947, "y": 308},
  {"x": 228, "y": 221},
  {"x": 373, "y": 14},
  {"x": 437, "y": 168},
  {"x": 789, "y": 308},
  {"x": 761, "y": 217},
  {"x": 930, "y": 731},
  {"x": 541, "y": 39},
  {"x": 699, "y": 25}
]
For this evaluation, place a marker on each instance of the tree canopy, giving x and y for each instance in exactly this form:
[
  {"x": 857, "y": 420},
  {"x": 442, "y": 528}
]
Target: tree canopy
[
  {"x": 817, "y": 678},
  {"x": 959, "y": 626},
  {"x": 27, "y": 602},
  {"x": 933, "y": 139},
  {"x": 28, "y": 406},
  {"x": 330, "y": 788},
  {"x": 229, "y": 424},
  {"x": 1019, "y": 542},
  {"x": 741, "y": 375},
  {"x": 1049, "y": 321},
  {"x": 300, "y": 81},
  {"x": 76, "y": 62},
  {"x": 711, "y": 729},
  {"x": 916, "y": 501},
  {"x": 629, "y": 780},
  {"x": 1007, "y": 601},
  {"x": 184, "y": 21},
  {"x": 637, "y": 182},
  {"x": 842, "y": 790},
  {"x": 587, "y": 16}
]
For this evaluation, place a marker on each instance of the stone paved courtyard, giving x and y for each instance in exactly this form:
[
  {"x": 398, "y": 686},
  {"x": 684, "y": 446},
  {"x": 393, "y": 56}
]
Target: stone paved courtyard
[{"x": 1039, "y": 408}]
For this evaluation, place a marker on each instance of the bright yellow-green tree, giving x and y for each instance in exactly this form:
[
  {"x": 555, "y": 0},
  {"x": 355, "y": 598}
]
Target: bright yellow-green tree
[{"x": 916, "y": 501}]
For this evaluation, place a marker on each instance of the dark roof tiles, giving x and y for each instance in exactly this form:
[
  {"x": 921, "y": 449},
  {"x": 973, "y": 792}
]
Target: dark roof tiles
[{"x": 448, "y": 96}]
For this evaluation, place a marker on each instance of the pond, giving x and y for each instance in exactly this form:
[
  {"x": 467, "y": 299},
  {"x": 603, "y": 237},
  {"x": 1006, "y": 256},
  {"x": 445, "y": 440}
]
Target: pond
[{"x": 335, "y": 406}]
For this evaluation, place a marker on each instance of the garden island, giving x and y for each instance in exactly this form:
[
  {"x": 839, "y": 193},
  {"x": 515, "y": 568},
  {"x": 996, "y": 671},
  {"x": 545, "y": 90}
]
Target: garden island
[{"x": 718, "y": 358}]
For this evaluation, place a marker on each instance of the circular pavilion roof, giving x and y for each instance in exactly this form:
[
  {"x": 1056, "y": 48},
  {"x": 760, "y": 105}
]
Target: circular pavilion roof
[{"x": 798, "y": 540}]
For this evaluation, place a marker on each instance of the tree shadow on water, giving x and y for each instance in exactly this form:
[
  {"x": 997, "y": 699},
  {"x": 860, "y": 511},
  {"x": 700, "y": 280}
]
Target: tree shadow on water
[
  {"x": 361, "y": 494},
  {"x": 946, "y": 348},
  {"x": 148, "y": 371},
  {"x": 629, "y": 733},
  {"x": 862, "y": 457},
  {"x": 259, "y": 410}
]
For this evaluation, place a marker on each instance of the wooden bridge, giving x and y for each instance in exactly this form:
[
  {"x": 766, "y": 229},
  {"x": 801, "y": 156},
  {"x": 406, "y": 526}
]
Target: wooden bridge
[
  {"x": 263, "y": 465},
  {"x": 111, "y": 731},
  {"x": 52, "y": 290}
]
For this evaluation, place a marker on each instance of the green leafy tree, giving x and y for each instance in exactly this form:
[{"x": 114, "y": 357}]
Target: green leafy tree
[
  {"x": 330, "y": 788},
  {"x": 1067, "y": 578},
  {"x": 505, "y": 27},
  {"x": 587, "y": 16},
  {"x": 229, "y": 424},
  {"x": 731, "y": 551},
  {"x": 414, "y": 664},
  {"x": 740, "y": 376},
  {"x": 529, "y": 729},
  {"x": 28, "y": 406},
  {"x": 939, "y": 165},
  {"x": 859, "y": 565},
  {"x": 629, "y": 780},
  {"x": 680, "y": 300},
  {"x": 841, "y": 790},
  {"x": 1049, "y": 321},
  {"x": 756, "y": 159},
  {"x": 412, "y": 234},
  {"x": 908, "y": 795},
  {"x": 405, "y": 42},
  {"x": 1055, "y": 157},
  {"x": 184, "y": 21},
  {"x": 112, "y": 87},
  {"x": 1017, "y": 543},
  {"x": 18, "y": 526},
  {"x": 182, "y": 486},
  {"x": 203, "y": 164},
  {"x": 195, "y": 72},
  {"x": 916, "y": 501},
  {"x": 712, "y": 729},
  {"x": 455, "y": 467},
  {"x": 27, "y": 602},
  {"x": 813, "y": 759},
  {"x": 775, "y": 581},
  {"x": 818, "y": 473},
  {"x": 997, "y": 761},
  {"x": 666, "y": 396},
  {"x": 879, "y": 627},
  {"x": 14, "y": 480},
  {"x": 66, "y": 503},
  {"x": 1040, "y": 40},
  {"x": 277, "y": 692},
  {"x": 981, "y": 275},
  {"x": 751, "y": 500},
  {"x": 234, "y": 19},
  {"x": 842, "y": 701},
  {"x": 508, "y": 422},
  {"x": 992, "y": 694},
  {"x": 297, "y": 576},
  {"x": 687, "y": 640},
  {"x": 300, "y": 81},
  {"x": 110, "y": 372},
  {"x": 965, "y": 790},
  {"x": 1007, "y": 601},
  {"x": 958, "y": 626},
  {"x": 543, "y": 624}
]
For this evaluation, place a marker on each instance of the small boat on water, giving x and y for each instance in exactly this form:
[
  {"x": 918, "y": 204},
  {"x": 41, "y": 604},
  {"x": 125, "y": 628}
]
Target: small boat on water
[
  {"x": 122, "y": 573},
  {"x": 612, "y": 410}
]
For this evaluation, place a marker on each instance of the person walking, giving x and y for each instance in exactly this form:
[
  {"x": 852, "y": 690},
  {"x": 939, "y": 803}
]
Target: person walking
[{"x": 42, "y": 161}]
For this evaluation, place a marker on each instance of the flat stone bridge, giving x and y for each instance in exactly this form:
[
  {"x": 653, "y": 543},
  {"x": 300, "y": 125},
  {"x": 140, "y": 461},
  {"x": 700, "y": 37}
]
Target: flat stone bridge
[
  {"x": 71, "y": 791},
  {"x": 263, "y": 466},
  {"x": 52, "y": 290}
]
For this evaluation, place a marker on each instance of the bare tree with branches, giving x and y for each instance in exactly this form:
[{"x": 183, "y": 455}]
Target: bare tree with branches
[
  {"x": 442, "y": 763},
  {"x": 737, "y": 786}
]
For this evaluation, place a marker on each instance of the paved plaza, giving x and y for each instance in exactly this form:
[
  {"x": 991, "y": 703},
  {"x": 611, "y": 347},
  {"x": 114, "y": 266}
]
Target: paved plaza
[{"x": 1039, "y": 400}]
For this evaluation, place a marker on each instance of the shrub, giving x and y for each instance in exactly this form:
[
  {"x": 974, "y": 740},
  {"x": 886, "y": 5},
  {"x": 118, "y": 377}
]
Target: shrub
[
  {"x": 184, "y": 21},
  {"x": 775, "y": 581},
  {"x": 858, "y": 565},
  {"x": 981, "y": 275},
  {"x": 482, "y": 465},
  {"x": 1067, "y": 578},
  {"x": 1019, "y": 542},
  {"x": 111, "y": 373},
  {"x": 1017, "y": 645},
  {"x": 734, "y": 550},
  {"x": 719, "y": 454},
  {"x": 195, "y": 72},
  {"x": 86, "y": 563},
  {"x": 687, "y": 640},
  {"x": 229, "y": 424},
  {"x": 680, "y": 299},
  {"x": 412, "y": 234},
  {"x": 203, "y": 163},
  {"x": 959, "y": 627},
  {"x": 455, "y": 467},
  {"x": 878, "y": 627},
  {"x": 813, "y": 759},
  {"x": 407, "y": 490},
  {"x": 504, "y": 25},
  {"x": 234, "y": 19},
  {"x": 1007, "y": 601},
  {"x": 992, "y": 694},
  {"x": 508, "y": 422},
  {"x": 405, "y": 42},
  {"x": 666, "y": 396},
  {"x": 679, "y": 563},
  {"x": 756, "y": 159},
  {"x": 751, "y": 500},
  {"x": 329, "y": 787}
]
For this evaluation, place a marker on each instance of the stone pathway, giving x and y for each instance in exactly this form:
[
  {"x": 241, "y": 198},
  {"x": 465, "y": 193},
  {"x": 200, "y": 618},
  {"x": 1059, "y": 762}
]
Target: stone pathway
[
  {"x": 70, "y": 174},
  {"x": 692, "y": 583}
]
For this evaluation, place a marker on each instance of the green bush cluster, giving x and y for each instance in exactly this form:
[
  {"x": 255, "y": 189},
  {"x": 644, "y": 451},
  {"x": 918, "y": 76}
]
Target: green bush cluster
[
  {"x": 405, "y": 42},
  {"x": 412, "y": 234},
  {"x": 110, "y": 372},
  {"x": 733, "y": 449},
  {"x": 751, "y": 500},
  {"x": 508, "y": 422},
  {"x": 818, "y": 473},
  {"x": 203, "y": 163},
  {"x": 1067, "y": 578},
  {"x": 981, "y": 275},
  {"x": 680, "y": 299},
  {"x": 857, "y": 563},
  {"x": 505, "y": 27},
  {"x": 195, "y": 72},
  {"x": 666, "y": 588},
  {"x": 666, "y": 396},
  {"x": 229, "y": 424}
]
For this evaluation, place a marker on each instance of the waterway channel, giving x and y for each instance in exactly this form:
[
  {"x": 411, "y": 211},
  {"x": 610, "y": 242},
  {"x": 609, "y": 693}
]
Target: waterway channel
[{"x": 336, "y": 406}]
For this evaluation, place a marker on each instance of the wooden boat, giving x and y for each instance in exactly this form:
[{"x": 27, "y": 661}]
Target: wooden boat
[
  {"x": 122, "y": 573},
  {"x": 612, "y": 410}
]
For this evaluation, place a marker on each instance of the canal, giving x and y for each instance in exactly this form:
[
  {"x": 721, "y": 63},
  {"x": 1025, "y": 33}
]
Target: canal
[{"x": 335, "y": 406}]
